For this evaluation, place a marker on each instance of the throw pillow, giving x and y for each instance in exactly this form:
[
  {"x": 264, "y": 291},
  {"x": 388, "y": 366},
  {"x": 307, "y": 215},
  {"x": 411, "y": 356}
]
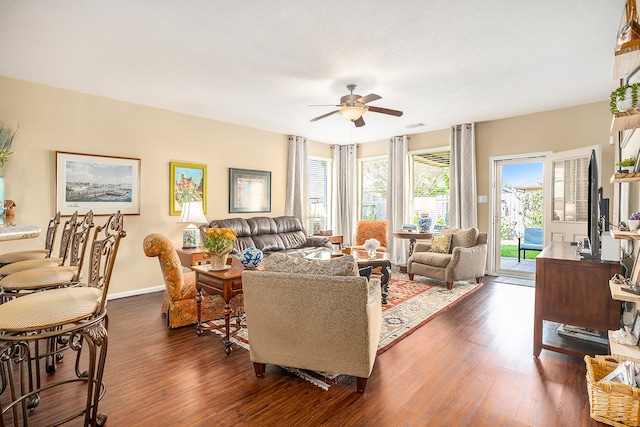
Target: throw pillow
[
  {"x": 441, "y": 243},
  {"x": 465, "y": 238},
  {"x": 340, "y": 266}
]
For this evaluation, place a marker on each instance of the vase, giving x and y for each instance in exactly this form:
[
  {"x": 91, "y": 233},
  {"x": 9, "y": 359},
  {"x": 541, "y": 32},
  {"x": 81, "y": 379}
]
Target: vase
[
  {"x": 371, "y": 254},
  {"x": 218, "y": 261},
  {"x": 251, "y": 257}
]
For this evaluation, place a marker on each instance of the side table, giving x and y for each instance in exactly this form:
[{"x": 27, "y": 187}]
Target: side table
[
  {"x": 412, "y": 236},
  {"x": 336, "y": 240},
  {"x": 191, "y": 257},
  {"x": 227, "y": 284}
]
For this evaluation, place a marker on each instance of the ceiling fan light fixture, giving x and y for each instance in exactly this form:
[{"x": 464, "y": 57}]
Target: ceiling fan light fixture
[{"x": 352, "y": 113}]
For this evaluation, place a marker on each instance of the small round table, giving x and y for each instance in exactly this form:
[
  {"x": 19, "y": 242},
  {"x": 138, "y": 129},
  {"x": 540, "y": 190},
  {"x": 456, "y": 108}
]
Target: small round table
[{"x": 412, "y": 236}]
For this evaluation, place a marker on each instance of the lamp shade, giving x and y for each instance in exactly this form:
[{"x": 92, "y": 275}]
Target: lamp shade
[
  {"x": 424, "y": 204},
  {"x": 317, "y": 211},
  {"x": 192, "y": 213}
]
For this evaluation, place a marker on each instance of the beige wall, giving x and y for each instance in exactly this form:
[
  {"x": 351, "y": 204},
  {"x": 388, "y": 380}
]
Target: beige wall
[{"x": 53, "y": 119}]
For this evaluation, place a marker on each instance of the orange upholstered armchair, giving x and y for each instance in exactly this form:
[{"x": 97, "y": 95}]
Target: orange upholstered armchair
[
  {"x": 372, "y": 229},
  {"x": 179, "y": 303}
]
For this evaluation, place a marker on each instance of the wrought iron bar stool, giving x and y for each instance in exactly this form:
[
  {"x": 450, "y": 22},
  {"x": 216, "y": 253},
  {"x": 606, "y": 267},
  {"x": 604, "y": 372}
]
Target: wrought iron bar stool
[
  {"x": 68, "y": 229},
  {"x": 52, "y": 228},
  {"x": 77, "y": 313},
  {"x": 36, "y": 279}
]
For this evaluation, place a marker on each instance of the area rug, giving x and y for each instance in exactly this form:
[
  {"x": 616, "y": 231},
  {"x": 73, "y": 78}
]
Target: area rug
[{"x": 411, "y": 304}]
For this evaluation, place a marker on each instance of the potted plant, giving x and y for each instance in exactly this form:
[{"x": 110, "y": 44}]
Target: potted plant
[
  {"x": 6, "y": 139},
  {"x": 634, "y": 221},
  {"x": 218, "y": 243},
  {"x": 627, "y": 165},
  {"x": 624, "y": 98}
]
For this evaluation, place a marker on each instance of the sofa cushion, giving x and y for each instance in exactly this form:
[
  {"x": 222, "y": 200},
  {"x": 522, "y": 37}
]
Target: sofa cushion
[
  {"x": 441, "y": 243},
  {"x": 340, "y": 266},
  {"x": 268, "y": 242},
  {"x": 433, "y": 259},
  {"x": 465, "y": 238}
]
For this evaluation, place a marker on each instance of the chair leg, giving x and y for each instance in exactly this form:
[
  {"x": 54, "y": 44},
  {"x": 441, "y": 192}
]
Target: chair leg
[
  {"x": 361, "y": 384},
  {"x": 411, "y": 276},
  {"x": 259, "y": 368},
  {"x": 449, "y": 285},
  {"x": 478, "y": 279}
]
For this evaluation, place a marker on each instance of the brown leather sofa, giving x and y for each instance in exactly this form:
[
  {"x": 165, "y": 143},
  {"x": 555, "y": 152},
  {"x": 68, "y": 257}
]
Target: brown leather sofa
[{"x": 283, "y": 234}]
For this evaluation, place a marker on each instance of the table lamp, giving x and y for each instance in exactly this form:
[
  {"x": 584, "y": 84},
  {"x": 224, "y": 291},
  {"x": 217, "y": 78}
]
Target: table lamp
[
  {"x": 191, "y": 213},
  {"x": 317, "y": 212},
  {"x": 424, "y": 205}
]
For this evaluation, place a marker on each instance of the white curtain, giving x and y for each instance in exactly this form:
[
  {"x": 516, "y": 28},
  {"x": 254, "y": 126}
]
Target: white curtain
[
  {"x": 296, "y": 202},
  {"x": 398, "y": 197},
  {"x": 345, "y": 202},
  {"x": 463, "y": 211}
]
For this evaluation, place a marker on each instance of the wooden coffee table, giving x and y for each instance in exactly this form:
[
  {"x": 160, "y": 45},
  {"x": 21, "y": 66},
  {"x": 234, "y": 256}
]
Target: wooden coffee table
[
  {"x": 227, "y": 284},
  {"x": 382, "y": 260}
]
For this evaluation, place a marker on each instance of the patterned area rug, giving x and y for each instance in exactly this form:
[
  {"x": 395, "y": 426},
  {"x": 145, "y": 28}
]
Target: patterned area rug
[{"x": 411, "y": 304}]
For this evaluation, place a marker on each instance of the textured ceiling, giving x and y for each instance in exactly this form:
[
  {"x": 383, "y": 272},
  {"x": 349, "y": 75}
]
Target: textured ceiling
[{"x": 263, "y": 63}]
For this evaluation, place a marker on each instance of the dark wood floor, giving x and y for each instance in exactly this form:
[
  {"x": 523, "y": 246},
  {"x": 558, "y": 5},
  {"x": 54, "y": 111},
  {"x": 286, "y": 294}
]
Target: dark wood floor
[{"x": 472, "y": 365}]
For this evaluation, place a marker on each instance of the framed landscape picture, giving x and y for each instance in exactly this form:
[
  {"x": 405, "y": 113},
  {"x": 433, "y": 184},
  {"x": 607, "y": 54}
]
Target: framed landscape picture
[
  {"x": 103, "y": 184},
  {"x": 188, "y": 184},
  {"x": 249, "y": 190}
]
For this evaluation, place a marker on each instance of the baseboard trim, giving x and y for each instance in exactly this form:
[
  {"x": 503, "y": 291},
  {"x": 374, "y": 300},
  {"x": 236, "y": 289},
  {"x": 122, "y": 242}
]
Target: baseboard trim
[{"x": 136, "y": 292}]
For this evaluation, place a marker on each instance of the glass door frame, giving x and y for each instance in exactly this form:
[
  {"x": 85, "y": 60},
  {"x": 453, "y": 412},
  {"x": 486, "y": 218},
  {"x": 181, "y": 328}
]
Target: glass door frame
[{"x": 495, "y": 208}]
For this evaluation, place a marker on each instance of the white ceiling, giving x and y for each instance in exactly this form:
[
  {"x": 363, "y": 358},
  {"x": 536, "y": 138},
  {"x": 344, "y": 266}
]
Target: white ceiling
[{"x": 262, "y": 63}]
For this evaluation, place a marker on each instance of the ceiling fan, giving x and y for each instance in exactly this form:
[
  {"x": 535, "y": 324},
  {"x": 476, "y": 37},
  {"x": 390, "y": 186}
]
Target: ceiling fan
[{"x": 353, "y": 106}]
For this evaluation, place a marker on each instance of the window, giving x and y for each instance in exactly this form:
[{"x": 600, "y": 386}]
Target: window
[
  {"x": 319, "y": 196},
  {"x": 570, "y": 190},
  {"x": 431, "y": 189},
  {"x": 373, "y": 188}
]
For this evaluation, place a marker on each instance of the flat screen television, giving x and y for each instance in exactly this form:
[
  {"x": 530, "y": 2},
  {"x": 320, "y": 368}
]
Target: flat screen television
[{"x": 593, "y": 214}]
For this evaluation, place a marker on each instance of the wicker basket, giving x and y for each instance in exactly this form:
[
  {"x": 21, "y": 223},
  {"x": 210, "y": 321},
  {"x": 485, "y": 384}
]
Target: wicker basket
[{"x": 611, "y": 403}]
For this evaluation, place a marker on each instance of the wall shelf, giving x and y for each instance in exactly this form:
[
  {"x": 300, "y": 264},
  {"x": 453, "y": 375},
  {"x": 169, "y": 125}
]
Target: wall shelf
[
  {"x": 622, "y": 351},
  {"x": 625, "y": 177},
  {"x": 627, "y": 120},
  {"x": 625, "y": 235}
]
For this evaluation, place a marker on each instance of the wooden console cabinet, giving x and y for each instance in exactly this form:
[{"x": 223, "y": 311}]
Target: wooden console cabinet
[{"x": 573, "y": 291}]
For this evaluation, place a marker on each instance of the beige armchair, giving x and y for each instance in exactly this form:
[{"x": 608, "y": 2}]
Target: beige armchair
[
  {"x": 464, "y": 259},
  {"x": 312, "y": 320}
]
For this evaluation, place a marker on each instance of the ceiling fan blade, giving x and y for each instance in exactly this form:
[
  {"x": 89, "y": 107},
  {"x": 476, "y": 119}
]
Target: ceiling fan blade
[
  {"x": 324, "y": 115},
  {"x": 369, "y": 98},
  {"x": 359, "y": 123},
  {"x": 385, "y": 111}
]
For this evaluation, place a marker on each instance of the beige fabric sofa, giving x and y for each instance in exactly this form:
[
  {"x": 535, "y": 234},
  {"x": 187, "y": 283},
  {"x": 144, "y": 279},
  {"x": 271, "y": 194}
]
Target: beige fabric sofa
[
  {"x": 465, "y": 260},
  {"x": 298, "y": 315}
]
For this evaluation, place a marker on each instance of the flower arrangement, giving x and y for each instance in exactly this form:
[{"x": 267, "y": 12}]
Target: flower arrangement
[
  {"x": 6, "y": 139},
  {"x": 219, "y": 240},
  {"x": 635, "y": 216},
  {"x": 371, "y": 245}
]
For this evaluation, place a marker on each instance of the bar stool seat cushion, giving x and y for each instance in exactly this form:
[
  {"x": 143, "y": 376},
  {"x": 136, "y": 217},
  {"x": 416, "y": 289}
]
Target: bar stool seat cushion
[
  {"x": 50, "y": 308},
  {"x": 38, "y": 278},
  {"x": 11, "y": 257},
  {"x": 29, "y": 265}
]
